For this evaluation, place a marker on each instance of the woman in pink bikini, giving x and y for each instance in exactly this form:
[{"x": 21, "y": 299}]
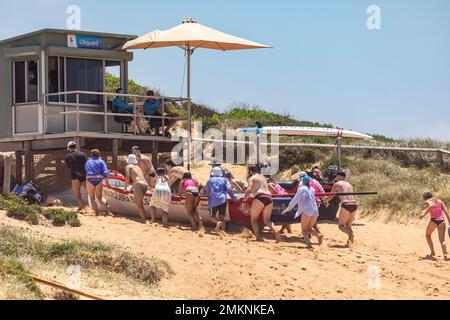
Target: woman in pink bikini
[
  {"x": 189, "y": 187},
  {"x": 438, "y": 211}
]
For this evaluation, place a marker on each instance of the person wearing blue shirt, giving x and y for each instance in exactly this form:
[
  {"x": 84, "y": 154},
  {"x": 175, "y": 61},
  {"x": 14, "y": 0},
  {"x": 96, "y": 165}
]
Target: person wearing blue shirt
[
  {"x": 96, "y": 171},
  {"x": 153, "y": 107},
  {"x": 120, "y": 106},
  {"x": 217, "y": 189}
]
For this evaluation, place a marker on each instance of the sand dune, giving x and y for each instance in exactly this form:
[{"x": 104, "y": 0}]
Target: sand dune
[{"x": 239, "y": 268}]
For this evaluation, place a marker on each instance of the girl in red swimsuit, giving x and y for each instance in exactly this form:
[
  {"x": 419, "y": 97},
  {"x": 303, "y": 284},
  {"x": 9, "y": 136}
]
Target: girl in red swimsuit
[{"x": 438, "y": 211}]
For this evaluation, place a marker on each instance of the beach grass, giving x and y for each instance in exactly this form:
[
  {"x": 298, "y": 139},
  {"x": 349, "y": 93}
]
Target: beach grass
[{"x": 113, "y": 262}]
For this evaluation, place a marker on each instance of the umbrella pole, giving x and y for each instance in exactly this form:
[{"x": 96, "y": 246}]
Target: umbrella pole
[{"x": 189, "y": 124}]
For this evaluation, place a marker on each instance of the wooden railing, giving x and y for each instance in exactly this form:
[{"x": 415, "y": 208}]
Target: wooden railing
[{"x": 106, "y": 113}]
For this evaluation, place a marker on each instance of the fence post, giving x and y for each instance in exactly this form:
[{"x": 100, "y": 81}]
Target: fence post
[
  {"x": 440, "y": 159},
  {"x": 7, "y": 174}
]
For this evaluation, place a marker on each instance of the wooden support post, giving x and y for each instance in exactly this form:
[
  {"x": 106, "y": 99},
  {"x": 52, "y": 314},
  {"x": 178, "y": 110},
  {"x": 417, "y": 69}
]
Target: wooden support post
[
  {"x": 440, "y": 159},
  {"x": 155, "y": 154},
  {"x": 7, "y": 174},
  {"x": 19, "y": 167},
  {"x": 115, "y": 154},
  {"x": 29, "y": 162}
]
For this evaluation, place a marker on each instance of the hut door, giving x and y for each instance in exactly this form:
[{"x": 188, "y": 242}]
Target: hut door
[{"x": 27, "y": 111}]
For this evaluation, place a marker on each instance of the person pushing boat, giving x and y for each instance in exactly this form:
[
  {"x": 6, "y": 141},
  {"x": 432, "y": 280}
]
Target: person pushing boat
[
  {"x": 349, "y": 205},
  {"x": 189, "y": 187},
  {"x": 175, "y": 174},
  {"x": 161, "y": 197},
  {"x": 146, "y": 166},
  {"x": 307, "y": 210},
  {"x": 216, "y": 189},
  {"x": 262, "y": 202},
  {"x": 135, "y": 176}
]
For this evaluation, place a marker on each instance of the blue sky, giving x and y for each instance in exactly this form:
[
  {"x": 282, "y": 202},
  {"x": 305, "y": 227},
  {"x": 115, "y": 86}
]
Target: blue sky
[{"x": 326, "y": 65}]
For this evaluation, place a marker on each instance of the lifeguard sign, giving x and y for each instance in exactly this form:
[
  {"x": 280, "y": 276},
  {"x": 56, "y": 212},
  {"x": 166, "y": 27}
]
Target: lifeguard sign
[{"x": 85, "y": 42}]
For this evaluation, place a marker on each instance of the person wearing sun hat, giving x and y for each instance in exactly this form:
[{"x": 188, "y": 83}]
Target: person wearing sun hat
[{"x": 134, "y": 175}]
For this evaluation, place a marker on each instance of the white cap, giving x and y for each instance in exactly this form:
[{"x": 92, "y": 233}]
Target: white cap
[
  {"x": 132, "y": 159},
  {"x": 302, "y": 174},
  {"x": 216, "y": 172},
  {"x": 71, "y": 144}
]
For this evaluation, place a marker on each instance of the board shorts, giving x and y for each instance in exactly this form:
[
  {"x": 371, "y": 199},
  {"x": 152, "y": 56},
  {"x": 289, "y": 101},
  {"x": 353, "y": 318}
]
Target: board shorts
[
  {"x": 140, "y": 189},
  {"x": 161, "y": 197},
  {"x": 221, "y": 209}
]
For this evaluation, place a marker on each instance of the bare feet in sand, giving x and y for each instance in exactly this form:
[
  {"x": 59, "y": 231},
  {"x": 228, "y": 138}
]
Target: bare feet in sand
[
  {"x": 277, "y": 237},
  {"x": 350, "y": 241},
  {"x": 218, "y": 227},
  {"x": 320, "y": 240}
]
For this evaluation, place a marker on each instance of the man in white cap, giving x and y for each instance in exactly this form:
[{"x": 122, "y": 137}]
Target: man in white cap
[
  {"x": 75, "y": 160},
  {"x": 140, "y": 186}
]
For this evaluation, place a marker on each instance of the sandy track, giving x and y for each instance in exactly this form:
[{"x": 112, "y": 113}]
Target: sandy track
[{"x": 239, "y": 268}]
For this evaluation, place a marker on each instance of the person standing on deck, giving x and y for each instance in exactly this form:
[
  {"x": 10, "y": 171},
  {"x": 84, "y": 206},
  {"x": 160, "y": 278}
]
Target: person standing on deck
[
  {"x": 349, "y": 206},
  {"x": 146, "y": 166},
  {"x": 262, "y": 202},
  {"x": 135, "y": 176},
  {"x": 75, "y": 161}
]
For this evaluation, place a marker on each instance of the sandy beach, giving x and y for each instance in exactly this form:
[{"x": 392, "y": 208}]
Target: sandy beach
[{"x": 240, "y": 268}]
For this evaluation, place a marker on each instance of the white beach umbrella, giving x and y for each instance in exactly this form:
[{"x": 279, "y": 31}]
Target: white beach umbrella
[{"x": 190, "y": 35}]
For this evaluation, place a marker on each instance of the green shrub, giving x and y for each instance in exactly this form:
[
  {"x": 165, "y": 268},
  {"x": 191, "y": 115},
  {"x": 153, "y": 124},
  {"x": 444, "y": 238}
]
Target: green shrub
[
  {"x": 23, "y": 212},
  {"x": 60, "y": 217}
]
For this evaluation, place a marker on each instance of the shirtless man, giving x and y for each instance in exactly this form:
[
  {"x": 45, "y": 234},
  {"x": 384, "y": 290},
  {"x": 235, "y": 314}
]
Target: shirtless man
[
  {"x": 349, "y": 205},
  {"x": 146, "y": 166},
  {"x": 175, "y": 174},
  {"x": 134, "y": 173},
  {"x": 262, "y": 202}
]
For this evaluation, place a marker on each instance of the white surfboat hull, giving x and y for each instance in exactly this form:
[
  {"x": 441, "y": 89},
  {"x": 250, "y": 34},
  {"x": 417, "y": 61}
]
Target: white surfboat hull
[{"x": 122, "y": 203}]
